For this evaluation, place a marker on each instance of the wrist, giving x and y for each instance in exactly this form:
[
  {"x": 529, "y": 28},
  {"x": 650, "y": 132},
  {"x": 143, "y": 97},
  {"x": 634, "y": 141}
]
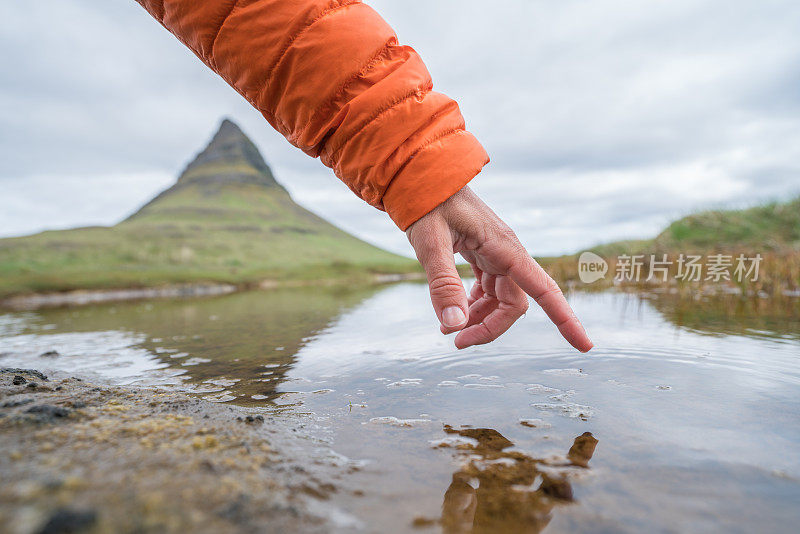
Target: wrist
[{"x": 432, "y": 176}]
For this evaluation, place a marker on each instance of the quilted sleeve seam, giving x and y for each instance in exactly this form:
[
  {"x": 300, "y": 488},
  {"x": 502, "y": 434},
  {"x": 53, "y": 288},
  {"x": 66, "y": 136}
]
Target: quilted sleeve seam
[
  {"x": 368, "y": 66},
  {"x": 416, "y": 91}
]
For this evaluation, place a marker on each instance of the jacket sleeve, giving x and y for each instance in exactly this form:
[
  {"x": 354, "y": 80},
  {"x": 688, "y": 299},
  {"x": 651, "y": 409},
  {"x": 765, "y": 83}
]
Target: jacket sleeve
[{"x": 332, "y": 78}]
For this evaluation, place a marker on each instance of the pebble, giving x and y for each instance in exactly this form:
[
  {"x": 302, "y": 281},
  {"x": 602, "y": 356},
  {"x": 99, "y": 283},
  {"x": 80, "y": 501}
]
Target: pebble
[
  {"x": 66, "y": 520},
  {"x": 15, "y": 403},
  {"x": 49, "y": 411},
  {"x": 251, "y": 419},
  {"x": 32, "y": 372}
]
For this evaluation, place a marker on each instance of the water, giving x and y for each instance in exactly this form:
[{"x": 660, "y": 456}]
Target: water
[{"x": 686, "y": 417}]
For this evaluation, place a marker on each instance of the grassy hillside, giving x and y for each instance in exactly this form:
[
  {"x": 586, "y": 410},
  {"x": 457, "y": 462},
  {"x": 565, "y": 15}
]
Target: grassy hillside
[
  {"x": 772, "y": 230},
  {"x": 225, "y": 220},
  {"x": 774, "y": 226}
]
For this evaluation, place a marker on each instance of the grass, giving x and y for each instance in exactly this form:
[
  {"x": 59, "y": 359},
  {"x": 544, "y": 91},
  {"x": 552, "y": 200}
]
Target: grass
[
  {"x": 773, "y": 227},
  {"x": 772, "y": 230},
  {"x": 231, "y": 233}
]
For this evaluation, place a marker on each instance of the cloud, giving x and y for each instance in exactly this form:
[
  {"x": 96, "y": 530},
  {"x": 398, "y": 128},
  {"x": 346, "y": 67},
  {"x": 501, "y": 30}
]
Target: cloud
[
  {"x": 604, "y": 119},
  {"x": 52, "y": 202}
]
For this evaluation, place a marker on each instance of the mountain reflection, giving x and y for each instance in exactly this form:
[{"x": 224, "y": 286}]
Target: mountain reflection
[
  {"x": 236, "y": 346},
  {"x": 507, "y": 491}
]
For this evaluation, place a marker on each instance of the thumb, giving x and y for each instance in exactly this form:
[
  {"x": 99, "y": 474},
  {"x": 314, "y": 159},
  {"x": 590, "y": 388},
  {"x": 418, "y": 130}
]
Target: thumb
[{"x": 433, "y": 244}]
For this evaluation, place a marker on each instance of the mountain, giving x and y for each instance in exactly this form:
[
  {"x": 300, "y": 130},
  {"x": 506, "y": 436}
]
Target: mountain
[
  {"x": 229, "y": 158},
  {"x": 226, "y": 219}
]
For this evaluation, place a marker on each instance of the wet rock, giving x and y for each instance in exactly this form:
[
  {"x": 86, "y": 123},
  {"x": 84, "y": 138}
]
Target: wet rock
[
  {"x": 582, "y": 449},
  {"x": 534, "y": 423},
  {"x": 32, "y": 372},
  {"x": 65, "y": 521},
  {"x": 48, "y": 411},
  {"x": 487, "y": 438},
  {"x": 50, "y": 354},
  {"x": 556, "y": 487},
  {"x": 424, "y": 522},
  {"x": 235, "y": 511},
  {"x": 250, "y": 419},
  {"x": 169, "y": 457},
  {"x": 16, "y": 402},
  {"x": 18, "y": 380},
  {"x": 505, "y": 497}
]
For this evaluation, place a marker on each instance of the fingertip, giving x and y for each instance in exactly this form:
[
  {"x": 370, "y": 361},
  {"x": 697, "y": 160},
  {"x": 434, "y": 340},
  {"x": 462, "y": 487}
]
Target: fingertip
[
  {"x": 459, "y": 342},
  {"x": 577, "y": 339},
  {"x": 447, "y": 331},
  {"x": 454, "y": 318},
  {"x": 585, "y": 342},
  {"x": 580, "y": 340}
]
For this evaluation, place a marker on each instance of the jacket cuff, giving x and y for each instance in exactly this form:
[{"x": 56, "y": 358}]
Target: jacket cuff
[{"x": 434, "y": 174}]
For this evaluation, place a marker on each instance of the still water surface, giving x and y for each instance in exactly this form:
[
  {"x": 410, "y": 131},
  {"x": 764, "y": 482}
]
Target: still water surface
[{"x": 685, "y": 417}]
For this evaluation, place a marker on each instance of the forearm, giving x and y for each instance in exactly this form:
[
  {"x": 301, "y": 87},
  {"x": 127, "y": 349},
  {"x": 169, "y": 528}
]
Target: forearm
[{"x": 331, "y": 77}]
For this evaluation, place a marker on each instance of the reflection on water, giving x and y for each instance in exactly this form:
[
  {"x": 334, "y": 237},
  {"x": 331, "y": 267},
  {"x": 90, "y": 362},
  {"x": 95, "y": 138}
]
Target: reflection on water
[
  {"x": 233, "y": 348},
  {"x": 696, "y": 405},
  {"x": 497, "y": 490},
  {"x": 732, "y": 315}
]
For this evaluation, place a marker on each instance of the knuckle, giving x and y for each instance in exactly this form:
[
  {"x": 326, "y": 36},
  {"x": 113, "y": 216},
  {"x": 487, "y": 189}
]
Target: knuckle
[
  {"x": 552, "y": 290},
  {"x": 520, "y": 259},
  {"x": 509, "y": 251},
  {"x": 445, "y": 285},
  {"x": 504, "y": 233}
]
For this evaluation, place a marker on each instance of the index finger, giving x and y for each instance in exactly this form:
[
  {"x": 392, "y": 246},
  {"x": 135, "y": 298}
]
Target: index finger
[{"x": 530, "y": 276}]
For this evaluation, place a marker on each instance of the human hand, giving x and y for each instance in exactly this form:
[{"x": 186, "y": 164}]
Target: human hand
[{"x": 504, "y": 273}]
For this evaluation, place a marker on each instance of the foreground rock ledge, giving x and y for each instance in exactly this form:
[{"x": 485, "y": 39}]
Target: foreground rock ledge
[{"x": 77, "y": 457}]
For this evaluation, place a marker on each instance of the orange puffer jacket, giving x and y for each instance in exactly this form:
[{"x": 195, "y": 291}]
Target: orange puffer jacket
[{"x": 331, "y": 77}]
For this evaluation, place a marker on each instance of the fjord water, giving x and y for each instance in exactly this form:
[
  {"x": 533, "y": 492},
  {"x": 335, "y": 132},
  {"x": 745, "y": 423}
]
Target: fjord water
[{"x": 685, "y": 417}]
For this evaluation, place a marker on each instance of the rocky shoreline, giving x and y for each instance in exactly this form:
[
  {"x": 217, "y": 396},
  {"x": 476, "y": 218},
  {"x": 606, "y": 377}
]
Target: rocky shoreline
[
  {"x": 80, "y": 297},
  {"x": 82, "y": 457},
  {"x": 95, "y": 296}
]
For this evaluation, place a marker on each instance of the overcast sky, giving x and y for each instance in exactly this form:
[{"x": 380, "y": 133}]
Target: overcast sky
[{"x": 603, "y": 119}]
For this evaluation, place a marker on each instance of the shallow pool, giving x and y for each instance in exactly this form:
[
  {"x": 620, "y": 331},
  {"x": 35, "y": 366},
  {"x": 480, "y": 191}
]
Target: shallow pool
[{"x": 685, "y": 417}]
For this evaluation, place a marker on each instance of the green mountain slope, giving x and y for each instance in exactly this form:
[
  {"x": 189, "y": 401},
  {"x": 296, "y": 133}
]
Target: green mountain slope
[
  {"x": 771, "y": 230},
  {"x": 773, "y": 226},
  {"x": 225, "y": 220}
]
